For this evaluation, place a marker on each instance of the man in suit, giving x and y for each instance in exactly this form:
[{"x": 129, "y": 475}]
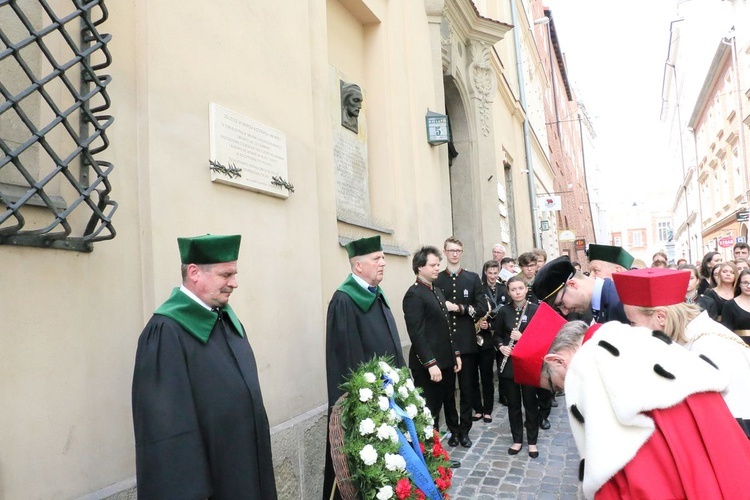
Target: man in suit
[
  {"x": 434, "y": 359},
  {"x": 567, "y": 290},
  {"x": 463, "y": 290}
]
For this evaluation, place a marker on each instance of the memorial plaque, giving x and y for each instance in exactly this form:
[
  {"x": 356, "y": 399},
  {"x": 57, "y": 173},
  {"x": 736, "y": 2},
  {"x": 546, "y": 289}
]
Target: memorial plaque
[
  {"x": 352, "y": 182},
  {"x": 255, "y": 150}
]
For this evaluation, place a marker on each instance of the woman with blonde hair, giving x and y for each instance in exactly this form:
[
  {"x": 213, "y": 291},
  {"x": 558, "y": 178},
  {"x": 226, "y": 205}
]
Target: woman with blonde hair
[{"x": 654, "y": 298}]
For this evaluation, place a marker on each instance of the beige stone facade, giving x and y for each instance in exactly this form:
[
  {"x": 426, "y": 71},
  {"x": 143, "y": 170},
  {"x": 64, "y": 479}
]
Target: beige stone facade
[{"x": 71, "y": 319}]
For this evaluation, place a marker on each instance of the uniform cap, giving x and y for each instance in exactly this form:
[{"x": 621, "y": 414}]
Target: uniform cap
[
  {"x": 612, "y": 254},
  {"x": 363, "y": 246},
  {"x": 528, "y": 354},
  {"x": 209, "y": 248},
  {"x": 551, "y": 278}
]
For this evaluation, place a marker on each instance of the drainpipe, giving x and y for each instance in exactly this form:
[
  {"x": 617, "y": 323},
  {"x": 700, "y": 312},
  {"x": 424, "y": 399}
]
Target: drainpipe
[{"x": 526, "y": 131}]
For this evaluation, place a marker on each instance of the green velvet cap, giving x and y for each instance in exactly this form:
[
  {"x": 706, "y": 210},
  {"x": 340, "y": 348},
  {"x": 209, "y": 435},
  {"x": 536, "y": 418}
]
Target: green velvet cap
[
  {"x": 612, "y": 254},
  {"x": 209, "y": 248},
  {"x": 363, "y": 246}
]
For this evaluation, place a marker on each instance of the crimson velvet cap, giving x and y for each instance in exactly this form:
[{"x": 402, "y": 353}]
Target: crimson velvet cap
[
  {"x": 209, "y": 248},
  {"x": 528, "y": 354},
  {"x": 652, "y": 286}
]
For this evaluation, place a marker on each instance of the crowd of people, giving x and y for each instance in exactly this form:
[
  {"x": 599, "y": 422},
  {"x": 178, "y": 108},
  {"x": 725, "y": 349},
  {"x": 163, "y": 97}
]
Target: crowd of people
[{"x": 654, "y": 364}]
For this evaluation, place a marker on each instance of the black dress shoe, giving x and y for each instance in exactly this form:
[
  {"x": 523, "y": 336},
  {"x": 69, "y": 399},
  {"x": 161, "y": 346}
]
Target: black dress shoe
[
  {"x": 554, "y": 403},
  {"x": 544, "y": 424},
  {"x": 533, "y": 454},
  {"x": 512, "y": 451},
  {"x": 453, "y": 441},
  {"x": 465, "y": 442},
  {"x": 455, "y": 464}
]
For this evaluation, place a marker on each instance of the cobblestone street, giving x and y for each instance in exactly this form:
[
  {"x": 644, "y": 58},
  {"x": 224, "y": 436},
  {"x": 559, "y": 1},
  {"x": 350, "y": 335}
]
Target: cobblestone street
[{"x": 488, "y": 472}]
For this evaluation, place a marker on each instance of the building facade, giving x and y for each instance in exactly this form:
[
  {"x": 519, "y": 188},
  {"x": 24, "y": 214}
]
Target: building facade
[{"x": 197, "y": 117}]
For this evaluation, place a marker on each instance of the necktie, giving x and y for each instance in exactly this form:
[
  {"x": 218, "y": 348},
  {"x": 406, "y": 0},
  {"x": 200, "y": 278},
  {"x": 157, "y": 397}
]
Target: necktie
[{"x": 373, "y": 289}]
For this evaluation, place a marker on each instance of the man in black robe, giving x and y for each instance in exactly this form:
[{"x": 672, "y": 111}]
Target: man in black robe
[
  {"x": 201, "y": 429},
  {"x": 359, "y": 327}
]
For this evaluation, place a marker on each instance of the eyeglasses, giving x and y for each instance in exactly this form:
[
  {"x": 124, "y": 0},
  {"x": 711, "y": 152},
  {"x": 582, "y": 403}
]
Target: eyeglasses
[
  {"x": 454, "y": 250},
  {"x": 559, "y": 303},
  {"x": 744, "y": 283}
]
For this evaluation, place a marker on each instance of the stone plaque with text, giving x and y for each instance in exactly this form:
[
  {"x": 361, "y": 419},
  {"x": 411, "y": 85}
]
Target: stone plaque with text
[
  {"x": 352, "y": 182},
  {"x": 257, "y": 151}
]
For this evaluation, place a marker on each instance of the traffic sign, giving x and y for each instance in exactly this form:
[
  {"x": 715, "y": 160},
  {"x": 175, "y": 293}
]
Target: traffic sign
[
  {"x": 740, "y": 239},
  {"x": 726, "y": 242},
  {"x": 743, "y": 216}
]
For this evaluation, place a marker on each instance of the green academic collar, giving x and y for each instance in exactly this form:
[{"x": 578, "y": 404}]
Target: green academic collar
[
  {"x": 363, "y": 298},
  {"x": 193, "y": 317}
]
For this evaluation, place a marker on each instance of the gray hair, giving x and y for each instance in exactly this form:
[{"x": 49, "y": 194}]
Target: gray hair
[{"x": 569, "y": 337}]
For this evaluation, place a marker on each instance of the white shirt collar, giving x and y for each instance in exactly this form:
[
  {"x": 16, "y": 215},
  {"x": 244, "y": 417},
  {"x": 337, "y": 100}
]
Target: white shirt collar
[
  {"x": 361, "y": 282},
  {"x": 596, "y": 298},
  {"x": 194, "y": 297}
]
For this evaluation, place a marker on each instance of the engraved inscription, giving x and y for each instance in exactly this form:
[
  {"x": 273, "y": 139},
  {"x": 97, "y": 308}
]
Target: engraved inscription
[
  {"x": 258, "y": 150},
  {"x": 352, "y": 182}
]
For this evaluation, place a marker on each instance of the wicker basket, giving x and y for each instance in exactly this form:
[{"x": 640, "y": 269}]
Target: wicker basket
[{"x": 340, "y": 463}]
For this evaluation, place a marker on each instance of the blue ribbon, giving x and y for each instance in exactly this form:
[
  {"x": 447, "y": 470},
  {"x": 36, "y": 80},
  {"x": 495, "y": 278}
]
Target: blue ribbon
[{"x": 416, "y": 466}]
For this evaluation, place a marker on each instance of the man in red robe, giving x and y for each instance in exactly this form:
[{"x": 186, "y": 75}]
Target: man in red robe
[{"x": 646, "y": 414}]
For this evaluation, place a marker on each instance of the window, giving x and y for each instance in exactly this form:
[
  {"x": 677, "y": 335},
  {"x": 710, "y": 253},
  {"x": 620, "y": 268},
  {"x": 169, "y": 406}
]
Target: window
[
  {"x": 54, "y": 190},
  {"x": 665, "y": 233},
  {"x": 637, "y": 239}
]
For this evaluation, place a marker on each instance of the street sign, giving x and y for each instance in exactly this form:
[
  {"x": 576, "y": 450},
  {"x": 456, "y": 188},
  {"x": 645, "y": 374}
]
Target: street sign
[
  {"x": 743, "y": 216},
  {"x": 740, "y": 239},
  {"x": 726, "y": 242},
  {"x": 545, "y": 225},
  {"x": 580, "y": 244}
]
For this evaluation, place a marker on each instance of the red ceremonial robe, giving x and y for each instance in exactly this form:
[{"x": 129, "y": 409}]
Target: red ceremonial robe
[{"x": 694, "y": 452}]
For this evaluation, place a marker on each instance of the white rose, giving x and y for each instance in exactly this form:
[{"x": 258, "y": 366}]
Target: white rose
[
  {"x": 394, "y": 376},
  {"x": 389, "y": 390},
  {"x": 369, "y": 454},
  {"x": 385, "y": 366},
  {"x": 431, "y": 421},
  {"x": 367, "y": 426},
  {"x": 420, "y": 400},
  {"x": 385, "y": 493},
  {"x": 393, "y": 416},
  {"x": 411, "y": 410},
  {"x": 370, "y": 378},
  {"x": 427, "y": 412},
  {"x": 403, "y": 392},
  {"x": 383, "y": 403},
  {"x": 410, "y": 384},
  {"x": 365, "y": 394},
  {"x": 394, "y": 462},
  {"x": 428, "y": 432}
]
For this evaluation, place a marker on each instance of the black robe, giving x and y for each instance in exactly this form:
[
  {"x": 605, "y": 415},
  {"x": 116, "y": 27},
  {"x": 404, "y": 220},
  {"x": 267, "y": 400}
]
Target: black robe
[
  {"x": 201, "y": 429},
  {"x": 356, "y": 333},
  {"x": 359, "y": 326}
]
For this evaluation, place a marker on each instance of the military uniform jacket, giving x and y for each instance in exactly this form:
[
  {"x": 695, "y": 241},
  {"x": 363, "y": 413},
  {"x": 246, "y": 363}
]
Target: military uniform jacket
[
  {"x": 427, "y": 324},
  {"x": 507, "y": 319},
  {"x": 495, "y": 299},
  {"x": 463, "y": 288}
]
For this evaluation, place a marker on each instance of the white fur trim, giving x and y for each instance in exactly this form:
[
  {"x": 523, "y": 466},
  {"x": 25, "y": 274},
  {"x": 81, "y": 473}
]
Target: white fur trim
[{"x": 612, "y": 392}]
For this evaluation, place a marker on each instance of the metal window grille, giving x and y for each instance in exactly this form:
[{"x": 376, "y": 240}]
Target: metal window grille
[{"x": 54, "y": 192}]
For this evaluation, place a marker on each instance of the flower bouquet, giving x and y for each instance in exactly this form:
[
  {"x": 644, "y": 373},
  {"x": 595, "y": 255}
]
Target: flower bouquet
[{"x": 391, "y": 447}]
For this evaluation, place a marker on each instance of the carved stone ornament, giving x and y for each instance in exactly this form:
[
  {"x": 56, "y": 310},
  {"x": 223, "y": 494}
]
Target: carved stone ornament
[{"x": 483, "y": 82}]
